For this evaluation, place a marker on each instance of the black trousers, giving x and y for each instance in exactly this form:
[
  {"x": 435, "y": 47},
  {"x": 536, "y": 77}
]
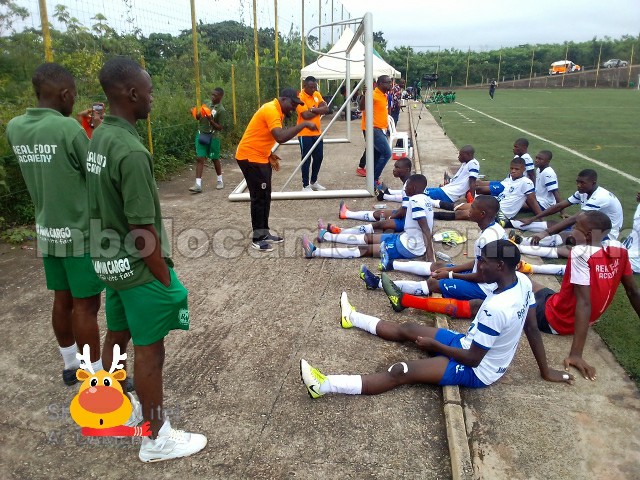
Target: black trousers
[{"x": 258, "y": 177}]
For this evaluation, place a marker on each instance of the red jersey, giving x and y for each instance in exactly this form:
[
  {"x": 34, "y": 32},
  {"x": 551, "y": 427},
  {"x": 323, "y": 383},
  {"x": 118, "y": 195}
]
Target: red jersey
[{"x": 600, "y": 267}]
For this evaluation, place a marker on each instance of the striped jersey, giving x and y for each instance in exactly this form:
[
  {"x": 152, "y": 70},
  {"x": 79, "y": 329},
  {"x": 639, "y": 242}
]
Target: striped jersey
[{"x": 604, "y": 201}]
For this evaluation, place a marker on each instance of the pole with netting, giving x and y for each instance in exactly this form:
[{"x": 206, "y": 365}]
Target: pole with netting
[
  {"x": 196, "y": 61},
  {"x": 255, "y": 50},
  {"x": 46, "y": 34}
]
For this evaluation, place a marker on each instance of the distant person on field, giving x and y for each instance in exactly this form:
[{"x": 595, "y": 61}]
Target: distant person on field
[
  {"x": 51, "y": 150},
  {"x": 312, "y": 110},
  {"x": 492, "y": 88},
  {"x": 475, "y": 360},
  {"x": 211, "y": 121}
]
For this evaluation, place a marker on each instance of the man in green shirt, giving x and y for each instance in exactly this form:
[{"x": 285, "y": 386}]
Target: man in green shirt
[
  {"x": 210, "y": 123},
  {"x": 51, "y": 149},
  {"x": 145, "y": 299}
]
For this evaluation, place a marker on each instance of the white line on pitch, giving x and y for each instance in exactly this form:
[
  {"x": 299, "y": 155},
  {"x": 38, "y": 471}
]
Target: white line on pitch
[{"x": 578, "y": 154}]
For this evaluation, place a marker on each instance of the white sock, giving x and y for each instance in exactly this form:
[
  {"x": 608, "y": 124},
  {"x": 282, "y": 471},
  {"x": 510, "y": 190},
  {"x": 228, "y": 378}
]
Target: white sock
[
  {"x": 392, "y": 197},
  {"x": 395, "y": 192},
  {"x": 347, "y": 384},
  {"x": 435, "y": 203},
  {"x": 366, "y": 216},
  {"x": 551, "y": 241},
  {"x": 97, "y": 365},
  {"x": 532, "y": 227},
  {"x": 364, "y": 322},
  {"x": 416, "y": 267},
  {"x": 337, "y": 252},
  {"x": 69, "y": 357},
  {"x": 219, "y": 178},
  {"x": 548, "y": 269},
  {"x": 412, "y": 287},
  {"x": 199, "y": 182},
  {"x": 346, "y": 238},
  {"x": 366, "y": 228},
  {"x": 545, "y": 252}
]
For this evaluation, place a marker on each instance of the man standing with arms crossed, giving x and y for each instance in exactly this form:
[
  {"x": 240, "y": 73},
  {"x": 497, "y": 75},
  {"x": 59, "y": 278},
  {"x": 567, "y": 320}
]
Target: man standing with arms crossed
[
  {"x": 382, "y": 150},
  {"x": 145, "y": 299},
  {"x": 314, "y": 107},
  {"x": 51, "y": 149}
]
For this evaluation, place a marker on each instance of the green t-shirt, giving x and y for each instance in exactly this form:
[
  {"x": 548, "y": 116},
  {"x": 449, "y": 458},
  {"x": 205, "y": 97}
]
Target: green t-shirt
[
  {"x": 51, "y": 150},
  {"x": 220, "y": 116},
  {"x": 122, "y": 192}
]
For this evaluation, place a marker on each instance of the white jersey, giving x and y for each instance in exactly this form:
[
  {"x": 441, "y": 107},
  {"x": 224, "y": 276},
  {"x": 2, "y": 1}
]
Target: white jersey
[
  {"x": 546, "y": 183},
  {"x": 459, "y": 184},
  {"x": 497, "y": 328},
  {"x": 514, "y": 195},
  {"x": 405, "y": 197},
  {"x": 528, "y": 161},
  {"x": 490, "y": 234},
  {"x": 632, "y": 242},
  {"x": 419, "y": 207},
  {"x": 604, "y": 201}
]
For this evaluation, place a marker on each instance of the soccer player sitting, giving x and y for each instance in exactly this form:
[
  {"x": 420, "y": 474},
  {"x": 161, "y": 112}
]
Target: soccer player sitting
[
  {"x": 458, "y": 281},
  {"x": 590, "y": 196},
  {"x": 513, "y": 192},
  {"x": 383, "y": 220},
  {"x": 414, "y": 242},
  {"x": 462, "y": 182},
  {"x": 475, "y": 360},
  {"x": 595, "y": 269}
]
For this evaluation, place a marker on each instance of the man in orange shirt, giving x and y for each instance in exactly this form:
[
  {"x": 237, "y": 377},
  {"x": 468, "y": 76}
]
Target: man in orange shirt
[
  {"x": 314, "y": 106},
  {"x": 382, "y": 150},
  {"x": 253, "y": 157}
]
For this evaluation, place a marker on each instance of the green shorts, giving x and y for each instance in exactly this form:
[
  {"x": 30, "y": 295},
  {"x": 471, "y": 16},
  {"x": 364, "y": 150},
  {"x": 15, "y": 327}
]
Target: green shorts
[
  {"x": 211, "y": 151},
  {"x": 148, "y": 311},
  {"x": 75, "y": 274}
]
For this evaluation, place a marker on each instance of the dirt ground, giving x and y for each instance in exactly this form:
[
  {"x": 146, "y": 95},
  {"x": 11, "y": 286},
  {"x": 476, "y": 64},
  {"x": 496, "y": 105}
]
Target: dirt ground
[{"x": 234, "y": 376}]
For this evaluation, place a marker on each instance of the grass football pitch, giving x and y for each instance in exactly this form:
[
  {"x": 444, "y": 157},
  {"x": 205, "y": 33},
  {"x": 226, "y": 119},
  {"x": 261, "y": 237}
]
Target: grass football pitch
[{"x": 600, "y": 124}]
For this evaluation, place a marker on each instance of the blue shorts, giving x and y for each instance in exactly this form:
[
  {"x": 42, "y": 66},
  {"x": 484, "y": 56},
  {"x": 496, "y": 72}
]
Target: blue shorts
[
  {"x": 437, "y": 194},
  {"x": 460, "y": 289},
  {"x": 456, "y": 373},
  {"x": 496, "y": 188},
  {"x": 399, "y": 224},
  {"x": 395, "y": 249}
]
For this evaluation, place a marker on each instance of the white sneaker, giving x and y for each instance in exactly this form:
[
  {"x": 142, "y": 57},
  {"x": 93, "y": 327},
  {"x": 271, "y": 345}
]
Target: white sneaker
[
  {"x": 171, "y": 443},
  {"x": 307, "y": 189},
  {"x": 317, "y": 187},
  {"x": 219, "y": 185},
  {"x": 136, "y": 414}
]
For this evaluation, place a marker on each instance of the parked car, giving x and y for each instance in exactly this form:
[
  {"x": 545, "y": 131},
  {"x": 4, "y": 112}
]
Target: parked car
[
  {"x": 615, "y": 63},
  {"x": 564, "y": 66}
]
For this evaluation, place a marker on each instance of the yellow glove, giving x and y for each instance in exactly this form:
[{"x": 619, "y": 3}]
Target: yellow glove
[{"x": 274, "y": 160}]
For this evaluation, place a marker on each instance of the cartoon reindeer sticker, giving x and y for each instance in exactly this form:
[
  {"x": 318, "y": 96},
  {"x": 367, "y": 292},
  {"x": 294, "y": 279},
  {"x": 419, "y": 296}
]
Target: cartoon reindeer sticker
[{"x": 100, "y": 407}]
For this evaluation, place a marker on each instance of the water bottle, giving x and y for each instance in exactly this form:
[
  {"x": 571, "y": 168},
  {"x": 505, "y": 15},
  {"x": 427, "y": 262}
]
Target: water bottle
[{"x": 443, "y": 256}]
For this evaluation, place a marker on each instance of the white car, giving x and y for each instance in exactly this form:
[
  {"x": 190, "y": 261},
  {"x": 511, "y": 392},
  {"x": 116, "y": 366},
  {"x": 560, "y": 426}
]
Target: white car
[{"x": 615, "y": 63}]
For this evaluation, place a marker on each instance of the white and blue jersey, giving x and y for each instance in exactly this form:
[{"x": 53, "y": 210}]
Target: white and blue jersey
[
  {"x": 632, "y": 242},
  {"x": 546, "y": 184},
  {"x": 514, "y": 195},
  {"x": 459, "y": 184},
  {"x": 497, "y": 328},
  {"x": 464, "y": 289},
  {"x": 528, "y": 161},
  {"x": 604, "y": 201},
  {"x": 419, "y": 206}
]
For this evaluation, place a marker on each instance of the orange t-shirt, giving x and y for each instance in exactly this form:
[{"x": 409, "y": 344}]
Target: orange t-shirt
[
  {"x": 310, "y": 101},
  {"x": 257, "y": 141},
  {"x": 380, "y": 111}
]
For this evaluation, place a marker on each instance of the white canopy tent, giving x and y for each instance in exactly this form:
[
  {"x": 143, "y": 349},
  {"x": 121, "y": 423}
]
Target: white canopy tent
[{"x": 327, "y": 67}]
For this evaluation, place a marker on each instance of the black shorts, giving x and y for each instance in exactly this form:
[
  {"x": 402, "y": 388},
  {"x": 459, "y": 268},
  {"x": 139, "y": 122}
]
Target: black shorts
[{"x": 541, "y": 297}]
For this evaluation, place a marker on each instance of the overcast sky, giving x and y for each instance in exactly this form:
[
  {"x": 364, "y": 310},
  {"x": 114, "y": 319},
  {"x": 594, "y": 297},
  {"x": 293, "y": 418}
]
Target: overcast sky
[
  {"x": 490, "y": 24},
  {"x": 479, "y": 24}
]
